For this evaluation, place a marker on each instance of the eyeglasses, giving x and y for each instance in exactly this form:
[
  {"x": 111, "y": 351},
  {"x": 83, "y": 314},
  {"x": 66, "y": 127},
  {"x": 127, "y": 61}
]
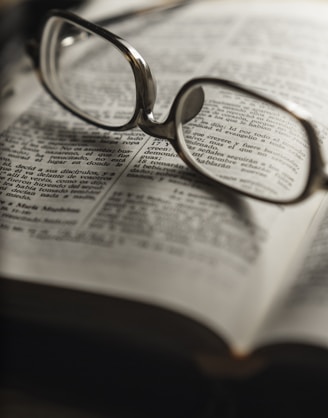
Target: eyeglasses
[{"x": 237, "y": 138}]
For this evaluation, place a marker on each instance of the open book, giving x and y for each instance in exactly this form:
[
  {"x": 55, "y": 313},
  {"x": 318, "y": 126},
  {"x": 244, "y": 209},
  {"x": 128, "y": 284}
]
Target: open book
[{"x": 110, "y": 232}]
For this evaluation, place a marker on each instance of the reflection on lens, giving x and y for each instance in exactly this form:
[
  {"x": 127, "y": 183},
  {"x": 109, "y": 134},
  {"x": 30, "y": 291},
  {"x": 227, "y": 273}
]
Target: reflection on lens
[
  {"x": 246, "y": 143},
  {"x": 89, "y": 74}
]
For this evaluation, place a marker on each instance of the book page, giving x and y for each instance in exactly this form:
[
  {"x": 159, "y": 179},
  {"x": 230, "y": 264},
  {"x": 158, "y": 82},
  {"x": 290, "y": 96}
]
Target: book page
[
  {"x": 119, "y": 213},
  {"x": 302, "y": 314}
]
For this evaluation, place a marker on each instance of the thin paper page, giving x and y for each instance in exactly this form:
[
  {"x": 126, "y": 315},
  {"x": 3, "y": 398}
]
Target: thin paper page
[
  {"x": 120, "y": 213},
  {"x": 302, "y": 314}
]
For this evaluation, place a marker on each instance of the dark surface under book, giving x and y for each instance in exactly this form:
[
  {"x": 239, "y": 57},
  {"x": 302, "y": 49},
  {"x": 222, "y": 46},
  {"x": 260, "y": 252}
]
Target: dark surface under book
[{"x": 49, "y": 373}]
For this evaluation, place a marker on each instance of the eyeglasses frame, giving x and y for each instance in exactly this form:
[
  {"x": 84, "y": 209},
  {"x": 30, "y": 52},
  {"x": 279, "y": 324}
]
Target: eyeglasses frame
[{"x": 170, "y": 128}]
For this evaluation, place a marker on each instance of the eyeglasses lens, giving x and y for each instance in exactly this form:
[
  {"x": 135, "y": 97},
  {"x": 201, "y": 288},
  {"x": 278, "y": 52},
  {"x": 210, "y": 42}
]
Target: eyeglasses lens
[
  {"x": 246, "y": 143},
  {"x": 88, "y": 73}
]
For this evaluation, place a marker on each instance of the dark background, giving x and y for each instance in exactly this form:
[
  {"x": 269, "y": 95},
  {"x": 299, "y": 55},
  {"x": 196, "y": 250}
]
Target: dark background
[{"x": 49, "y": 373}]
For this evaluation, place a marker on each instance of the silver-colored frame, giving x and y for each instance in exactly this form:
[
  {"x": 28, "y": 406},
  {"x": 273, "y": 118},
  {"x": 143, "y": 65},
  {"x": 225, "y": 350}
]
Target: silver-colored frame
[{"x": 170, "y": 128}]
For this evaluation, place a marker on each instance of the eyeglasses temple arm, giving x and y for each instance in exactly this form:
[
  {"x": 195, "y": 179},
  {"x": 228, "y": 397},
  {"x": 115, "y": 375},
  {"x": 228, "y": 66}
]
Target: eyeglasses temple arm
[
  {"x": 162, "y": 7},
  {"x": 32, "y": 45}
]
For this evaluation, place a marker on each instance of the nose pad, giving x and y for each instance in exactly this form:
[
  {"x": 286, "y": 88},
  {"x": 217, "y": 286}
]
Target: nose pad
[{"x": 193, "y": 104}]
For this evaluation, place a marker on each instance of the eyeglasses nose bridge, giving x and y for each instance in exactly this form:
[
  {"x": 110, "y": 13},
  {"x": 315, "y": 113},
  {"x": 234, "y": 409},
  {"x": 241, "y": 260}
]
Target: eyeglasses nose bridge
[{"x": 192, "y": 104}]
